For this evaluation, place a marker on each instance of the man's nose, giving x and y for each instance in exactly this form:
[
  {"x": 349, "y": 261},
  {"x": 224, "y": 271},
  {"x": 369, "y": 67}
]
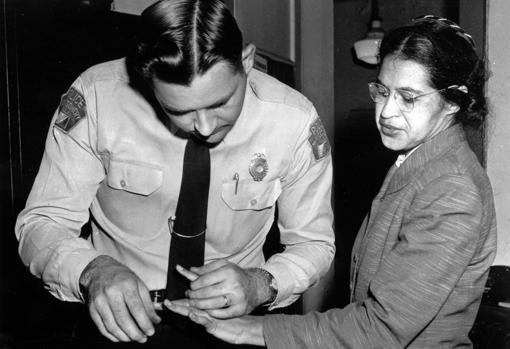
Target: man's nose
[{"x": 205, "y": 123}]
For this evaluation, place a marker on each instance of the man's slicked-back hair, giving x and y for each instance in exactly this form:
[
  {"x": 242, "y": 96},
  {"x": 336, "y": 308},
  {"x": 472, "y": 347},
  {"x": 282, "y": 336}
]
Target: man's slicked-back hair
[{"x": 182, "y": 39}]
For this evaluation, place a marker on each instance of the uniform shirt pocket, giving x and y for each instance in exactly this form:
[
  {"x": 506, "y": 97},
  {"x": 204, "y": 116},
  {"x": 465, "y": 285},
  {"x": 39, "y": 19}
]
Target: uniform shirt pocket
[
  {"x": 137, "y": 178},
  {"x": 250, "y": 195}
]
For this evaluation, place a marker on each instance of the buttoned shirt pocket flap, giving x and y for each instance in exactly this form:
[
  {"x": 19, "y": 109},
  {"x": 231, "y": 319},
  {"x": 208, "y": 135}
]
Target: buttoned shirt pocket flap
[
  {"x": 250, "y": 195},
  {"x": 138, "y": 178}
]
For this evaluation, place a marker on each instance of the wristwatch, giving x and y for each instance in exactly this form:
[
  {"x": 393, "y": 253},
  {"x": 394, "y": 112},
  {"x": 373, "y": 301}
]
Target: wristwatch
[{"x": 273, "y": 287}]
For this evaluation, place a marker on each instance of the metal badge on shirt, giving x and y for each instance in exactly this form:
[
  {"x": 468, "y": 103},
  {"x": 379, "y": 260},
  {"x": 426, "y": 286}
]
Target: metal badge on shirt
[
  {"x": 318, "y": 140},
  {"x": 258, "y": 167},
  {"x": 72, "y": 109}
]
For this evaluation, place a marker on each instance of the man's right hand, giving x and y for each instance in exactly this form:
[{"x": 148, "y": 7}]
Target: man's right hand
[{"x": 119, "y": 302}]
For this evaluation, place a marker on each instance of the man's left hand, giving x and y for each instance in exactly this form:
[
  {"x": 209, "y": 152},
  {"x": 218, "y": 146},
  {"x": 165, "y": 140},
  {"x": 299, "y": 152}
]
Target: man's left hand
[{"x": 225, "y": 290}]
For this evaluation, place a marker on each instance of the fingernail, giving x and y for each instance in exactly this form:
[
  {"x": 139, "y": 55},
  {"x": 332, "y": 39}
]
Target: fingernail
[
  {"x": 167, "y": 303},
  {"x": 186, "y": 293},
  {"x": 150, "y": 332}
]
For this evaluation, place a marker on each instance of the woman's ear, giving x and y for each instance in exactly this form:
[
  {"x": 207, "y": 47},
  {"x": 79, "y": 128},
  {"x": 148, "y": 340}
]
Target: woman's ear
[
  {"x": 454, "y": 108},
  {"x": 451, "y": 108},
  {"x": 248, "y": 57}
]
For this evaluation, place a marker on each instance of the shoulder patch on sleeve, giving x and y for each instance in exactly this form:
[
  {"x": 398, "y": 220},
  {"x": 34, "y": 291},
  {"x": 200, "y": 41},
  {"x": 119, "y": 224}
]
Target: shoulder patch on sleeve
[
  {"x": 318, "y": 139},
  {"x": 72, "y": 109}
]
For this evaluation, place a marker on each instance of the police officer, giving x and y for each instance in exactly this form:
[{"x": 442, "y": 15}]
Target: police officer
[{"x": 115, "y": 151}]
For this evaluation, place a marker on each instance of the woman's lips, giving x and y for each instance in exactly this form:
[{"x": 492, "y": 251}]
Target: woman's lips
[{"x": 388, "y": 129}]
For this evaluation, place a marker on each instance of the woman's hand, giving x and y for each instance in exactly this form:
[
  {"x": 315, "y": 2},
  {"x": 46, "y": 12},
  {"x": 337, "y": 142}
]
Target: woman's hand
[{"x": 243, "y": 330}]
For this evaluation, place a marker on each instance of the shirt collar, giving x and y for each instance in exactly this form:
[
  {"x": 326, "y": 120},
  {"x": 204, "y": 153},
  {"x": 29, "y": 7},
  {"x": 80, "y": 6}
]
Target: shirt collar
[{"x": 402, "y": 157}]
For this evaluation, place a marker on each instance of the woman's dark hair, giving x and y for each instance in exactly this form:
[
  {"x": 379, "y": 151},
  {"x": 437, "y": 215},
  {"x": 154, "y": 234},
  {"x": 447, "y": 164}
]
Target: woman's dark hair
[
  {"x": 182, "y": 39},
  {"x": 448, "y": 53}
]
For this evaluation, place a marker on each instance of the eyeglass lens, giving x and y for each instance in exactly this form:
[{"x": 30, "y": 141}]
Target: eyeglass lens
[{"x": 380, "y": 94}]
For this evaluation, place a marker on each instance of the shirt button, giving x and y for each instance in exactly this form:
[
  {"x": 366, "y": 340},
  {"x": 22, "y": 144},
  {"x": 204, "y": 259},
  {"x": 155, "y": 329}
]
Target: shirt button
[
  {"x": 355, "y": 258},
  {"x": 122, "y": 183},
  {"x": 253, "y": 202},
  {"x": 381, "y": 199}
]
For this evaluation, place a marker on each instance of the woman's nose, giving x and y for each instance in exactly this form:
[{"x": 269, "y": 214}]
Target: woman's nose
[{"x": 390, "y": 107}]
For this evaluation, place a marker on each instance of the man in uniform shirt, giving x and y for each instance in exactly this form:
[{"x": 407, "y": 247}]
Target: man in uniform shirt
[{"x": 115, "y": 151}]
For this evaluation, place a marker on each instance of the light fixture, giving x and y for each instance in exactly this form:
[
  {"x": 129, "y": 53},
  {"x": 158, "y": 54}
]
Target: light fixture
[{"x": 367, "y": 49}]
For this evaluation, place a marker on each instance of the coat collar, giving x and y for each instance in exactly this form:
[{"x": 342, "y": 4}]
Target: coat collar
[{"x": 434, "y": 147}]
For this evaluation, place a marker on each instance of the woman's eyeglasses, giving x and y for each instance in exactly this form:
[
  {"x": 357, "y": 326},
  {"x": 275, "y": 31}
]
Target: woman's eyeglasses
[{"x": 405, "y": 100}]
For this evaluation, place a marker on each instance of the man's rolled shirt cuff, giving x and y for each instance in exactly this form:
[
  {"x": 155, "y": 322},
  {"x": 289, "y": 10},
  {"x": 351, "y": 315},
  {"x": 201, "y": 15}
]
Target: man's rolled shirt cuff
[
  {"x": 285, "y": 282},
  {"x": 71, "y": 264}
]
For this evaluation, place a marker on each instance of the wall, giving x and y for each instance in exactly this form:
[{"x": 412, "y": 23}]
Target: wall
[
  {"x": 498, "y": 146},
  {"x": 315, "y": 62},
  {"x": 316, "y": 57},
  {"x": 273, "y": 30}
]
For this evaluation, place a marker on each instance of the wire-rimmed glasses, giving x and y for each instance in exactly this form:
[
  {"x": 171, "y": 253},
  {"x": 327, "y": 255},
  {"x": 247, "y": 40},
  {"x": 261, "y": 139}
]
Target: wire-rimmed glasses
[{"x": 404, "y": 99}]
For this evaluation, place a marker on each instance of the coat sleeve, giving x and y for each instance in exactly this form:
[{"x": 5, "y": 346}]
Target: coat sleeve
[
  {"x": 437, "y": 241},
  {"x": 305, "y": 216},
  {"x": 48, "y": 228}
]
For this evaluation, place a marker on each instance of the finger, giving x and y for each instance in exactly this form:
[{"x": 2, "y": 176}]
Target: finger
[
  {"x": 217, "y": 277},
  {"x": 96, "y": 318},
  {"x": 186, "y": 273},
  {"x": 137, "y": 310},
  {"x": 202, "y": 319},
  {"x": 207, "y": 268},
  {"x": 226, "y": 313},
  {"x": 223, "y": 273},
  {"x": 108, "y": 320},
  {"x": 126, "y": 322},
  {"x": 177, "y": 308},
  {"x": 212, "y": 303},
  {"x": 208, "y": 291},
  {"x": 150, "y": 307}
]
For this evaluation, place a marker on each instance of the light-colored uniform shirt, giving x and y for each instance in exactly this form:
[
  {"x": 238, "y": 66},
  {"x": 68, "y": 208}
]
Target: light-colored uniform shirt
[{"x": 109, "y": 154}]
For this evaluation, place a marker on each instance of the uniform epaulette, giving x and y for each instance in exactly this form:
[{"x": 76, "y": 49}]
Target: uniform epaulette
[
  {"x": 269, "y": 89},
  {"x": 111, "y": 70}
]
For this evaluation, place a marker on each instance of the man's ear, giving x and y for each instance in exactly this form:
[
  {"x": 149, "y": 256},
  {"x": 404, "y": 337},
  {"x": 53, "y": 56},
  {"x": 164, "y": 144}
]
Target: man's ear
[{"x": 248, "y": 57}]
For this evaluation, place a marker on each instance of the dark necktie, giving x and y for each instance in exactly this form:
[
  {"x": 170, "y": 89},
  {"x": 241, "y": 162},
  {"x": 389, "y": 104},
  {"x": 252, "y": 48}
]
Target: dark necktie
[{"x": 188, "y": 229}]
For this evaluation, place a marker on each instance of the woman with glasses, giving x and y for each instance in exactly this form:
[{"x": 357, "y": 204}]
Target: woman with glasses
[{"x": 422, "y": 255}]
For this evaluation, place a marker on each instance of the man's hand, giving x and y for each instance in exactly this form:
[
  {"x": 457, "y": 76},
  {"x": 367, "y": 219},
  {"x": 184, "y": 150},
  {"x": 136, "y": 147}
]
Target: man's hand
[
  {"x": 118, "y": 301},
  {"x": 244, "y": 330},
  {"x": 226, "y": 290}
]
